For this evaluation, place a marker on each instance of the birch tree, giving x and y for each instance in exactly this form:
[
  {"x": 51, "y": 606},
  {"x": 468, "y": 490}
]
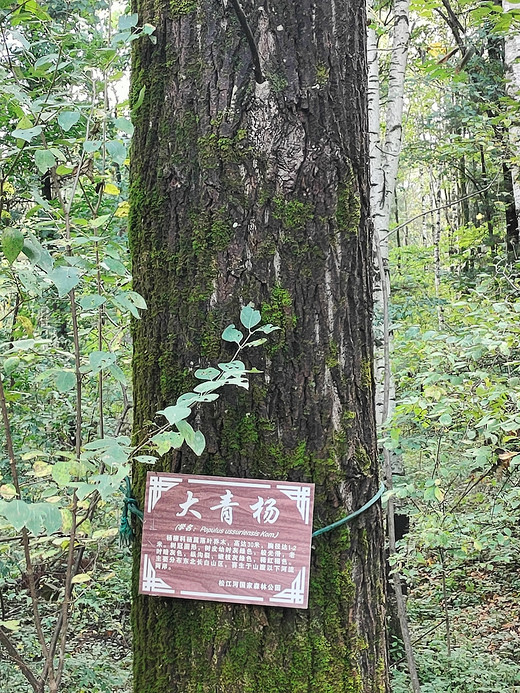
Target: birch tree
[
  {"x": 512, "y": 65},
  {"x": 385, "y": 148}
]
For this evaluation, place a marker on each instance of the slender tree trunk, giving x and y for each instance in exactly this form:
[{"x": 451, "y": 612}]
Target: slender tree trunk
[
  {"x": 384, "y": 161},
  {"x": 249, "y": 182}
]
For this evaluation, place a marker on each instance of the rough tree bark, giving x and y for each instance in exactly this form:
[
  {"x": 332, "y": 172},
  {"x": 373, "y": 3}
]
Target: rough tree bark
[{"x": 249, "y": 182}]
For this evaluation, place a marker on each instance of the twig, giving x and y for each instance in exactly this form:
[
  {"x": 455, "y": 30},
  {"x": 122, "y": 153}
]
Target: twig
[
  {"x": 25, "y": 534},
  {"x": 16, "y": 657},
  {"x": 259, "y": 77},
  {"x": 439, "y": 209}
]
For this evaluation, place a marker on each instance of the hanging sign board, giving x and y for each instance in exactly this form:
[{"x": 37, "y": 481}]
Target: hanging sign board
[{"x": 222, "y": 539}]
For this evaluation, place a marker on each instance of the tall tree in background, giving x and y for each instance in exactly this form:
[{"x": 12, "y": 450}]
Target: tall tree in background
[
  {"x": 385, "y": 140},
  {"x": 512, "y": 66},
  {"x": 250, "y": 183}
]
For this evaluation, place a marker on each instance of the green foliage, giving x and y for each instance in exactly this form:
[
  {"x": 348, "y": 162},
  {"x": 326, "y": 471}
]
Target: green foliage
[
  {"x": 457, "y": 429},
  {"x": 65, "y": 304}
]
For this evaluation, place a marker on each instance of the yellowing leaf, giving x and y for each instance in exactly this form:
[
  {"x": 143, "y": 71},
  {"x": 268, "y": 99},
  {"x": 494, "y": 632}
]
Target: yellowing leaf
[
  {"x": 7, "y": 491},
  {"x": 41, "y": 468},
  {"x": 111, "y": 189},
  {"x": 439, "y": 494},
  {"x": 80, "y": 578},
  {"x": 122, "y": 210}
]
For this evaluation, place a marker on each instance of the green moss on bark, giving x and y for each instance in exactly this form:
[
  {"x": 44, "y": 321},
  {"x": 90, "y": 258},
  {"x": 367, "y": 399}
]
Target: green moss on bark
[
  {"x": 348, "y": 210},
  {"x": 292, "y": 213},
  {"x": 180, "y": 8}
]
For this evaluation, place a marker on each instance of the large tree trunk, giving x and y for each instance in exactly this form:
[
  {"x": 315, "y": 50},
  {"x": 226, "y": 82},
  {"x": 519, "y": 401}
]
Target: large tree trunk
[{"x": 249, "y": 183}]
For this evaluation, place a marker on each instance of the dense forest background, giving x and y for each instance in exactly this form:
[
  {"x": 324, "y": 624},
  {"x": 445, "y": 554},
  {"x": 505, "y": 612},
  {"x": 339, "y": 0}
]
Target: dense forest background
[{"x": 66, "y": 301}]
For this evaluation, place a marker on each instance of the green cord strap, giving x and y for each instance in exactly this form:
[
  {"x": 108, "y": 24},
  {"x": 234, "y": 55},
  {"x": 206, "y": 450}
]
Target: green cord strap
[
  {"x": 353, "y": 515},
  {"x": 130, "y": 507}
]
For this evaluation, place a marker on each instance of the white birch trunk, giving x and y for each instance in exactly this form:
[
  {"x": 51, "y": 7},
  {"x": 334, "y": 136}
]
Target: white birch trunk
[
  {"x": 384, "y": 160},
  {"x": 512, "y": 63}
]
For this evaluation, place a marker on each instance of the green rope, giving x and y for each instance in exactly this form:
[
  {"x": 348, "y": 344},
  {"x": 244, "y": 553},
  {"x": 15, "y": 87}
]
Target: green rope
[
  {"x": 371, "y": 502},
  {"x": 130, "y": 507}
]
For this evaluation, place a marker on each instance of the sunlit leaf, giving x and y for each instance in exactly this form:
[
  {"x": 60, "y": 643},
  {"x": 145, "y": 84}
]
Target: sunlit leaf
[
  {"x": 231, "y": 334},
  {"x": 12, "y": 243},
  {"x": 67, "y": 119}
]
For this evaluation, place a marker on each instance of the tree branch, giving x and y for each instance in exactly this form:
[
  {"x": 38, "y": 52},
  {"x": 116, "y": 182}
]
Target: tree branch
[
  {"x": 15, "y": 656},
  {"x": 438, "y": 209},
  {"x": 259, "y": 77}
]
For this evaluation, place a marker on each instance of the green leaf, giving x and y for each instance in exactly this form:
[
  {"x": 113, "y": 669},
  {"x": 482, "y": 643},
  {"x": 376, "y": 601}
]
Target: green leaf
[
  {"x": 164, "y": 442},
  {"x": 194, "y": 397},
  {"x": 117, "y": 151},
  {"x": 64, "y": 279},
  {"x": 209, "y": 386},
  {"x": 100, "y": 360},
  {"x": 146, "y": 459},
  {"x": 27, "y": 134},
  {"x": 238, "y": 381},
  {"x": 127, "y": 300},
  {"x": 175, "y": 413},
  {"x": 267, "y": 329},
  {"x": 195, "y": 440},
  {"x": 137, "y": 299},
  {"x": 106, "y": 443},
  {"x": 11, "y": 364},
  {"x": 100, "y": 221},
  {"x": 12, "y": 243},
  {"x": 439, "y": 494},
  {"x": 207, "y": 373},
  {"x": 117, "y": 373},
  {"x": 445, "y": 419},
  {"x": 127, "y": 21},
  {"x": 124, "y": 125},
  {"x": 188, "y": 398},
  {"x": 61, "y": 472},
  {"x": 91, "y": 301},
  {"x": 256, "y": 342},
  {"x": 140, "y": 100},
  {"x": 44, "y": 160},
  {"x": 90, "y": 146},
  {"x": 67, "y": 119},
  {"x": 65, "y": 381},
  {"x": 249, "y": 317},
  {"x": 36, "y": 253},
  {"x": 15, "y": 512},
  {"x": 44, "y": 517},
  {"x": 198, "y": 444},
  {"x": 231, "y": 334},
  {"x": 117, "y": 267},
  {"x": 63, "y": 170},
  {"x": 232, "y": 366}
]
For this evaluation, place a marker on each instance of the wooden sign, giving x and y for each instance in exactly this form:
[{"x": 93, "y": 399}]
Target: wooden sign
[{"x": 223, "y": 539}]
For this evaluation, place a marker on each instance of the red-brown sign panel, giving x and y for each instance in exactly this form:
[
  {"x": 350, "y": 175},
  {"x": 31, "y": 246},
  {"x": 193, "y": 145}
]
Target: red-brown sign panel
[{"x": 230, "y": 540}]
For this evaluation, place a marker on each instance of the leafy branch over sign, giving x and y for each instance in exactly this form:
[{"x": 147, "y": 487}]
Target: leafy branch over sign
[{"x": 178, "y": 431}]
